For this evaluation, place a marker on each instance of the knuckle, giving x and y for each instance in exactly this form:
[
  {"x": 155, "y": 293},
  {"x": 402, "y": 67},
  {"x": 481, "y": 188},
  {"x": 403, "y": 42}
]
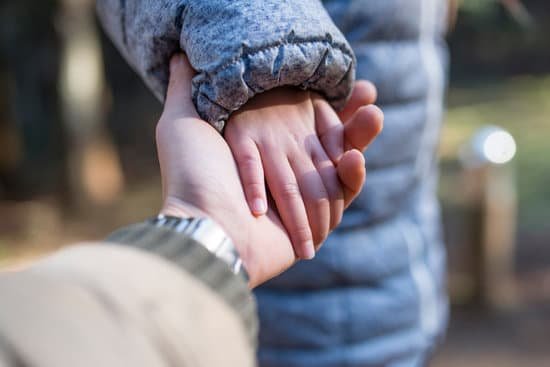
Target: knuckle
[
  {"x": 248, "y": 162},
  {"x": 254, "y": 188},
  {"x": 321, "y": 204},
  {"x": 302, "y": 233},
  {"x": 290, "y": 190},
  {"x": 269, "y": 145}
]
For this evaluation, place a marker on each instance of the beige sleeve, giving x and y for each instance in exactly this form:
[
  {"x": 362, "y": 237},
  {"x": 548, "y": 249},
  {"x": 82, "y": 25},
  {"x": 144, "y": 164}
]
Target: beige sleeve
[{"x": 101, "y": 305}]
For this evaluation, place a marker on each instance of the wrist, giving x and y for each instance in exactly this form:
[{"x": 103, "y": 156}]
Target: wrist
[
  {"x": 208, "y": 234},
  {"x": 285, "y": 95},
  {"x": 174, "y": 207}
]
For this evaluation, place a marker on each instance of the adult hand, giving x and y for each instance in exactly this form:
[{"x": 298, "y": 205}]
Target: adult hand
[{"x": 200, "y": 177}]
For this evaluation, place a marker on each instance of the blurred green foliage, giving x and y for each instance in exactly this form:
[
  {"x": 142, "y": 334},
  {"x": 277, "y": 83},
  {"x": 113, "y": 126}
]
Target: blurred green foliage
[
  {"x": 491, "y": 40},
  {"x": 481, "y": 8}
]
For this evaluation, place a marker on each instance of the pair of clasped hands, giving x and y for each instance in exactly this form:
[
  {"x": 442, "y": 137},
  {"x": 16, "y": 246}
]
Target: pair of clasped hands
[{"x": 308, "y": 155}]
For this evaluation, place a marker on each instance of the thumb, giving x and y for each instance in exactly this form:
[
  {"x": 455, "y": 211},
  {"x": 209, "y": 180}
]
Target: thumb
[{"x": 178, "y": 95}]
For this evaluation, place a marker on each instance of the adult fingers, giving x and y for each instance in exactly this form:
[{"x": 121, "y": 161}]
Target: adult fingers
[
  {"x": 285, "y": 190},
  {"x": 178, "y": 95},
  {"x": 364, "y": 93},
  {"x": 314, "y": 195},
  {"x": 363, "y": 127},
  {"x": 329, "y": 129},
  {"x": 332, "y": 184},
  {"x": 352, "y": 173},
  {"x": 251, "y": 171}
]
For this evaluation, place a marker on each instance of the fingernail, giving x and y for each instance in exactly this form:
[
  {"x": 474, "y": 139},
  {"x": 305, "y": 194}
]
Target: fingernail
[
  {"x": 309, "y": 251},
  {"x": 258, "y": 206}
]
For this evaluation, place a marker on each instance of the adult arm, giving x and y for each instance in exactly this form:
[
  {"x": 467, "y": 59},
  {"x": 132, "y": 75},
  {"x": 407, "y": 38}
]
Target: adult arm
[
  {"x": 106, "y": 305},
  {"x": 238, "y": 47}
]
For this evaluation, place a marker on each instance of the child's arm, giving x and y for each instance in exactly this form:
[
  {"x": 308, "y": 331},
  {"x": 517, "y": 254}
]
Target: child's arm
[
  {"x": 295, "y": 139},
  {"x": 240, "y": 48}
]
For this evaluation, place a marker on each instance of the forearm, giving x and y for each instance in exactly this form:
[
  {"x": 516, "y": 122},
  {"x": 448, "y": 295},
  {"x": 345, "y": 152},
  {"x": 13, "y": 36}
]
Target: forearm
[
  {"x": 195, "y": 259},
  {"x": 108, "y": 305}
]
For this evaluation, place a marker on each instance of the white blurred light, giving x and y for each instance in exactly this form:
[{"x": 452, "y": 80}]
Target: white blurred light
[
  {"x": 499, "y": 147},
  {"x": 490, "y": 144}
]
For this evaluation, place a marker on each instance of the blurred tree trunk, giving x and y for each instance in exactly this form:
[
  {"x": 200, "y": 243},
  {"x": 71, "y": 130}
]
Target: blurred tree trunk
[
  {"x": 32, "y": 143},
  {"x": 95, "y": 176},
  {"x": 53, "y": 136}
]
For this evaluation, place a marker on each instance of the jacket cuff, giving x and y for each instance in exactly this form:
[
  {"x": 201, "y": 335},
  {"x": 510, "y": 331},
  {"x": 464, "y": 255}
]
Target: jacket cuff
[
  {"x": 241, "y": 48},
  {"x": 195, "y": 259},
  {"x": 318, "y": 65}
]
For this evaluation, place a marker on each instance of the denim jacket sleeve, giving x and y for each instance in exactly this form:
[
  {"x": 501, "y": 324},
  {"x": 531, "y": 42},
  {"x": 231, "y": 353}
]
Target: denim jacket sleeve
[{"x": 239, "y": 48}]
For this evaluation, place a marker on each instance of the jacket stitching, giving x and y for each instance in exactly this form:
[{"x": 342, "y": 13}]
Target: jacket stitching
[
  {"x": 255, "y": 51},
  {"x": 252, "y": 52}
]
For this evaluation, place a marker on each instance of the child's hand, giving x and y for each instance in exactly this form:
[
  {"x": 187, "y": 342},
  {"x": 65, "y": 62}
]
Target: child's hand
[{"x": 275, "y": 134}]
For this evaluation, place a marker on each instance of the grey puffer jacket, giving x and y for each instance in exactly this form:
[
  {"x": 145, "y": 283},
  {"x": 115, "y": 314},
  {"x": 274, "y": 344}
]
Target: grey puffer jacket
[{"x": 375, "y": 294}]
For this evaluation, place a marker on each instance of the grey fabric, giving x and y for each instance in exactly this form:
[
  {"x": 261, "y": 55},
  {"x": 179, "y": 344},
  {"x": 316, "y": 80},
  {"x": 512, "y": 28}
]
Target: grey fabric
[{"x": 238, "y": 47}]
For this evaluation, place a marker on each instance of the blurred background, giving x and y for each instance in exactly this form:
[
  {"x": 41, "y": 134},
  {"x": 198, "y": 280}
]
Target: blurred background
[{"x": 77, "y": 159}]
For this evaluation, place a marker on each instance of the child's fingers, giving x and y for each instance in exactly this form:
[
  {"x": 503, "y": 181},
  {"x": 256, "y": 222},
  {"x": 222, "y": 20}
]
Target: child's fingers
[
  {"x": 352, "y": 173},
  {"x": 285, "y": 191},
  {"x": 363, "y": 127},
  {"x": 329, "y": 129},
  {"x": 328, "y": 174},
  {"x": 364, "y": 93},
  {"x": 251, "y": 172},
  {"x": 314, "y": 194}
]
